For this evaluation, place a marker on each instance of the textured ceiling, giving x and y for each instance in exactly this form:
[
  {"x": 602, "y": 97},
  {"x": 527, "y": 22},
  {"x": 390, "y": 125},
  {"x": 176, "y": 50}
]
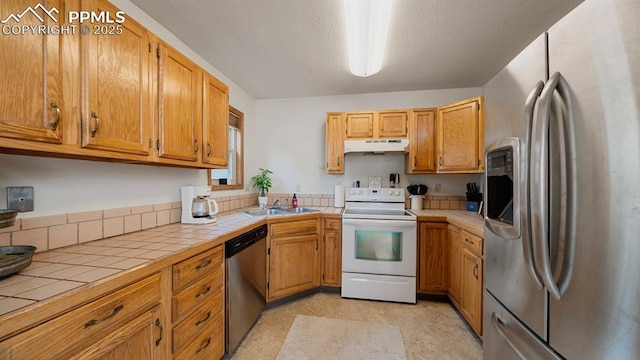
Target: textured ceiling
[{"x": 291, "y": 48}]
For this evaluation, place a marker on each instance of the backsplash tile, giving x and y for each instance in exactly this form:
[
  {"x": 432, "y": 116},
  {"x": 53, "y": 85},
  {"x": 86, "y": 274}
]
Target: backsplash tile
[{"x": 61, "y": 230}]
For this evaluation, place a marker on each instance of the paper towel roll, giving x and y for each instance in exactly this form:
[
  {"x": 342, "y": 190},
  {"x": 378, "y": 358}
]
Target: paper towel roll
[{"x": 338, "y": 196}]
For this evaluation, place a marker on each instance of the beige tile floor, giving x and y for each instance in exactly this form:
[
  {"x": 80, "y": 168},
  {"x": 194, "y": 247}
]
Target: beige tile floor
[{"x": 430, "y": 330}]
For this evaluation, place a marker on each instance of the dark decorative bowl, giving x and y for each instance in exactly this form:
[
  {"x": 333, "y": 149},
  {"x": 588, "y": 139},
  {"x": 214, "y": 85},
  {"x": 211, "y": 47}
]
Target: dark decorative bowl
[
  {"x": 15, "y": 258},
  {"x": 7, "y": 217}
]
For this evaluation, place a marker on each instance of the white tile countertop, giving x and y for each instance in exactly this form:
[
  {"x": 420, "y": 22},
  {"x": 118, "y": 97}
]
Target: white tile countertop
[{"x": 56, "y": 272}]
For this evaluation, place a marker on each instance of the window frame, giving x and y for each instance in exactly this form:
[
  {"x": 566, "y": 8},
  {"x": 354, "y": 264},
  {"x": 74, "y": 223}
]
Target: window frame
[{"x": 239, "y": 116}]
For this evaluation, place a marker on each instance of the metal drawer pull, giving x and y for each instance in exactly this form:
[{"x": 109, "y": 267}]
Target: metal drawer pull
[
  {"x": 95, "y": 129},
  {"x": 205, "y": 345},
  {"x": 115, "y": 311},
  {"x": 203, "y": 264},
  {"x": 205, "y": 319},
  {"x": 158, "y": 324},
  {"x": 204, "y": 292},
  {"x": 469, "y": 241},
  {"x": 54, "y": 124}
]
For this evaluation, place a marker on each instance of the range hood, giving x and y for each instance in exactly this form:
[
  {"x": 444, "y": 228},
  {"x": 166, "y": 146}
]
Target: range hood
[{"x": 378, "y": 146}]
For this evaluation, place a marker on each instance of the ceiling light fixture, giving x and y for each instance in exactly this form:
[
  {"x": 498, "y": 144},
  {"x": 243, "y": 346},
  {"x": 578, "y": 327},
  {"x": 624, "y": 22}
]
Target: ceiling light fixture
[{"x": 367, "y": 27}]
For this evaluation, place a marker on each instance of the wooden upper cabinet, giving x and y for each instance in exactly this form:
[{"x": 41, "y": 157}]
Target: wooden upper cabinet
[
  {"x": 359, "y": 125},
  {"x": 392, "y": 124},
  {"x": 116, "y": 103},
  {"x": 215, "y": 121},
  {"x": 179, "y": 116},
  {"x": 30, "y": 89},
  {"x": 334, "y": 143},
  {"x": 460, "y": 136},
  {"x": 422, "y": 142}
]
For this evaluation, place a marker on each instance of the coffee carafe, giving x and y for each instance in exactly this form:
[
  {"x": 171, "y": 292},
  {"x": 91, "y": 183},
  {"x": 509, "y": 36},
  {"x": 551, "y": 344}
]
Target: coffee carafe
[{"x": 197, "y": 206}]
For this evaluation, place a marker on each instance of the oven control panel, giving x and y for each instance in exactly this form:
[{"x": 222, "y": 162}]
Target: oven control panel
[{"x": 375, "y": 194}]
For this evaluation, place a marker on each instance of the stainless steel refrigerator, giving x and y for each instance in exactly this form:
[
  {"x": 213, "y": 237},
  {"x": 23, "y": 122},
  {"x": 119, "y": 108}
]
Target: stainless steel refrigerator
[{"x": 562, "y": 197}]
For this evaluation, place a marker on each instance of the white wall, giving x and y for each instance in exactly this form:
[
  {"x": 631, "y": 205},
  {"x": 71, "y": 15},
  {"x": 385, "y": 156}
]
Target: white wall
[
  {"x": 63, "y": 186},
  {"x": 289, "y": 140}
]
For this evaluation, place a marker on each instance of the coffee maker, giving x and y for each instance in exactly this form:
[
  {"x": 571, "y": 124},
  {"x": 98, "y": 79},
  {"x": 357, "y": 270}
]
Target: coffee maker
[{"x": 197, "y": 207}]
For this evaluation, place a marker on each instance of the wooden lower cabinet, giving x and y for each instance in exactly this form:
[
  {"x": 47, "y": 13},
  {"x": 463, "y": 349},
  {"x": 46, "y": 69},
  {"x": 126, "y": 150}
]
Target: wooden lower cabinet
[
  {"x": 471, "y": 306},
  {"x": 124, "y": 324},
  {"x": 432, "y": 264},
  {"x": 466, "y": 275},
  {"x": 294, "y": 258},
  {"x": 455, "y": 265},
  {"x": 331, "y": 252},
  {"x": 198, "y": 306}
]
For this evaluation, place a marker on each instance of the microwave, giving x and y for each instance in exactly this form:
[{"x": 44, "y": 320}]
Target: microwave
[{"x": 502, "y": 193}]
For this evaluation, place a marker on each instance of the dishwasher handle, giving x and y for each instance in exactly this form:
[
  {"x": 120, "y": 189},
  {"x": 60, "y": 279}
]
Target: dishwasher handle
[{"x": 241, "y": 242}]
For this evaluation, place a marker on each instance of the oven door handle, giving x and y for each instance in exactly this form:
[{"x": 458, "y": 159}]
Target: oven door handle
[{"x": 380, "y": 222}]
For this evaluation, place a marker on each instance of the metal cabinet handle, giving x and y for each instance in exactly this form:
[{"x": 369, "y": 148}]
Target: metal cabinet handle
[
  {"x": 415, "y": 161},
  {"x": 195, "y": 147},
  {"x": 338, "y": 160},
  {"x": 205, "y": 319},
  {"x": 475, "y": 271},
  {"x": 113, "y": 313},
  {"x": 204, "y": 292},
  {"x": 441, "y": 164},
  {"x": 54, "y": 124},
  {"x": 203, "y": 264},
  {"x": 95, "y": 129},
  {"x": 158, "y": 324},
  {"x": 204, "y": 346},
  {"x": 208, "y": 149}
]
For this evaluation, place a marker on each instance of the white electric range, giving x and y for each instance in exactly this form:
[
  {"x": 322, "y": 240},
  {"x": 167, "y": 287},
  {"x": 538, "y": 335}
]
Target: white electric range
[{"x": 379, "y": 246}]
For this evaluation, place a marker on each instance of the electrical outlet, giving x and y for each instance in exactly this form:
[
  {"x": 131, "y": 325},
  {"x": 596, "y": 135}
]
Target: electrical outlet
[
  {"x": 298, "y": 187},
  {"x": 20, "y": 198},
  {"x": 438, "y": 188}
]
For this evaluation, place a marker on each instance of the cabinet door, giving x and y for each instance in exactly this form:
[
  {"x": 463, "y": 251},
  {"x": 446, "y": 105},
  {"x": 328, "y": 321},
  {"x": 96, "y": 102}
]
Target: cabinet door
[
  {"x": 460, "y": 140},
  {"x": 432, "y": 256},
  {"x": 293, "y": 265},
  {"x": 472, "y": 290},
  {"x": 392, "y": 124},
  {"x": 116, "y": 110},
  {"x": 140, "y": 338},
  {"x": 334, "y": 143},
  {"x": 455, "y": 265},
  {"x": 359, "y": 125},
  {"x": 332, "y": 253},
  {"x": 422, "y": 144},
  {"x": 178, "y": 99},
  {"x": 215, "y": 122},
  {"x": 30, "y": 89}
]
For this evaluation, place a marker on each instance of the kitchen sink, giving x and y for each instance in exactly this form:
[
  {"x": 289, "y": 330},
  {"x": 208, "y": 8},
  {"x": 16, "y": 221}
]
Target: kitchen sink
[
  {"x": 282, "y": 211},
  {"x": 263, "y": 212},
  {"x": 299, "y": 210}
]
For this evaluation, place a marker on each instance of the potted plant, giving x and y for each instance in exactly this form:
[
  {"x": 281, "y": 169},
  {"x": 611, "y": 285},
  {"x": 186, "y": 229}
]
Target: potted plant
[{"x": 262, "y": 181}]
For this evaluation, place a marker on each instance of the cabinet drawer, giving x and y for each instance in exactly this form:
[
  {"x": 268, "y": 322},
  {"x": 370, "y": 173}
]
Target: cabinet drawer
[
  {"x": 332, "y": 224},
  {"x": 472, "y": 242},
  {"x": 196, "y": 267},
  {"x": 65, "y": 335},
  {"x": 194, "y": 324},
  {"x": 299, "y": 227},
  {"x": 208, "y": 345},
  {"x": 197, "y": 294}
]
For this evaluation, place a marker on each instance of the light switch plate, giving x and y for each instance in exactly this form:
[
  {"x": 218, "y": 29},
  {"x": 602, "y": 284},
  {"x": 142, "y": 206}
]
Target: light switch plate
[{"x": 20, "y": 198}]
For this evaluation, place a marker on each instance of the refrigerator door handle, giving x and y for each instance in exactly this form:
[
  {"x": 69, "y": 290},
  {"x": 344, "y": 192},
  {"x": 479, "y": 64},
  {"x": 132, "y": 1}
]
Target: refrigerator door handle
[
  {"x": 539, "y": 173},
  {"x": 525, "y": 212}
]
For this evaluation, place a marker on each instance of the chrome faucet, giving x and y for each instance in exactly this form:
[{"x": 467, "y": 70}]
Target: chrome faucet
[{"x": 274, "y": 203}]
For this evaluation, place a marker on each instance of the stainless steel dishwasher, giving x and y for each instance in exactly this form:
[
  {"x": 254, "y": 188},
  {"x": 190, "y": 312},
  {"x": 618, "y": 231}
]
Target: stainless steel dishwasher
[{"x": 245, "y": 296}]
